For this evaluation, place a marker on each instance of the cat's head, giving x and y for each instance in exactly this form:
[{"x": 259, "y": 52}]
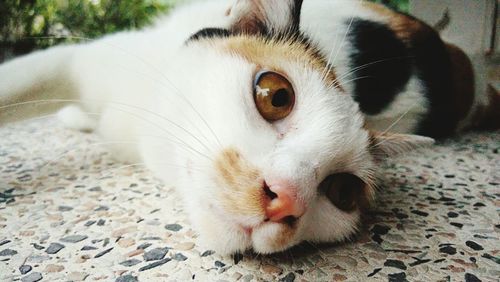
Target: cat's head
[{"x": 289, "y": 157}]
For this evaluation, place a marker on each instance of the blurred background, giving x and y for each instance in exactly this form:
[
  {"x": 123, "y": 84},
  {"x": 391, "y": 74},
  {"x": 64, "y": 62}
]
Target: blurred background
[{"x": 26, "y": 25}]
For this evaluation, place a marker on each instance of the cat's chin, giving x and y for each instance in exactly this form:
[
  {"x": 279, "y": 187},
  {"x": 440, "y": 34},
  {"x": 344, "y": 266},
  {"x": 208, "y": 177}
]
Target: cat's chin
[
  {"x": 264, "y": 238},
  {"x": 271, "y": 237}
]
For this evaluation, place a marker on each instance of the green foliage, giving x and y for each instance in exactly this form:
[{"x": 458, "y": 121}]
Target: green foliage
[
  {"x": 26, "y": 25},
  {"x": 400, "y": 5}
]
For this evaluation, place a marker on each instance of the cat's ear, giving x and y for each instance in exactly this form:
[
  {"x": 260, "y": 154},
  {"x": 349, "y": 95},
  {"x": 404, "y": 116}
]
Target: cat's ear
[
  {"x": 385, "y": 144},
  {"x": 265, "y": 16}
]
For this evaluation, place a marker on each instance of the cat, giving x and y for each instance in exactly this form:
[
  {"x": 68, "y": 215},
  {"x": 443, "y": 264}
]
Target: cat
[{"x": 270, "y": 117}]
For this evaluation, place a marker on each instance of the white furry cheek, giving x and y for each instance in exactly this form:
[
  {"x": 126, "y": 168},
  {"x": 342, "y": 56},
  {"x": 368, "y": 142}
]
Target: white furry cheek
[
  {"x": 325, "y": 223},
  {"x": 219, "y": 236}
]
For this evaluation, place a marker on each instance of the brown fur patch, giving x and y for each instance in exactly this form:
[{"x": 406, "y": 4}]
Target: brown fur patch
[
  {"x": 272, "y": 53},
  {"x": 240, "y": 192},
  {"x": 251, "y": 22},
  {"x": 240, "y": 184},
  {"x": 405, "y": 27},
  {"x": 463, "y": 82},
  {"x": 488, "y": 116}
]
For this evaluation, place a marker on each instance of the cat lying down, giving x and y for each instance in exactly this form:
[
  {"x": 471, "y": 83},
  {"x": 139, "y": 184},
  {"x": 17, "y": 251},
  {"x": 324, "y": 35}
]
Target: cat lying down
[{"x": 270, "y": 116}]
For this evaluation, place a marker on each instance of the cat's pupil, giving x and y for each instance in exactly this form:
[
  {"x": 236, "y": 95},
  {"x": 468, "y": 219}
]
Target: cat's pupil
[
  {"x": 347, "y": 196},
  {"x": 280, "y": 98},
  {"x": 273, "y": 95},
  {"x": 343, "y": 190}
]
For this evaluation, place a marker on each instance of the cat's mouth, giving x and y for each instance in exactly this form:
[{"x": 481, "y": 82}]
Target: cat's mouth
[{"x": 289, "y": 221}]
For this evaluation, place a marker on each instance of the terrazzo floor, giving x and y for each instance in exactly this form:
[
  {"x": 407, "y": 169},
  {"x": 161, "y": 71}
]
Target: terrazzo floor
[{"x": 69, "y": 212}]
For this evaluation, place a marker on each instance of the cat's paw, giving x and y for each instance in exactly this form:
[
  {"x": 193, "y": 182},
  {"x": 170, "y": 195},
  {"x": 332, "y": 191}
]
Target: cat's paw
[{"x": 74, "y": 117}]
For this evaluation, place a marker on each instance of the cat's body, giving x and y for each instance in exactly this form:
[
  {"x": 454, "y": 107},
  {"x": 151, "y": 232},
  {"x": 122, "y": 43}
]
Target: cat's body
[{"x": 181, "y": 98}]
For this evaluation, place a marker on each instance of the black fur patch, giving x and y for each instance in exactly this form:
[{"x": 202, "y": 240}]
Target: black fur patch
[
  {"x": 433, "y": 66},
  {"x": 296, "y": 10},
  {"x": 296, "y": 36},
  {"x": 209, "y": 33},
  {"x": 381, "y": 64}
]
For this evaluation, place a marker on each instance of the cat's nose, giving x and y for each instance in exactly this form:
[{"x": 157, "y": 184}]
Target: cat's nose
[{"x": 282, "y": 204}]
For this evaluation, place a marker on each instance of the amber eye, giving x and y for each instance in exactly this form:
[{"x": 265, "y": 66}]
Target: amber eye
[
  {"x": 273, "y": 95},
  {"x": 344, "y": 190}
]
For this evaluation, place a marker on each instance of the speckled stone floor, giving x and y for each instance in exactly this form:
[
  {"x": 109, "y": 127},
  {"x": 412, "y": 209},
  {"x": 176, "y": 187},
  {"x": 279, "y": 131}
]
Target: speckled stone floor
[{"x": 69, "y": 212}]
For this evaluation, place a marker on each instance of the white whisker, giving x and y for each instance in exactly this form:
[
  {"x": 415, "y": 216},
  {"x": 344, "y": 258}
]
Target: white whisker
[
  {"x": 122, "y": 110},
  {"x": 112, "y": 170},
  {"x": 324, "y": 74}
]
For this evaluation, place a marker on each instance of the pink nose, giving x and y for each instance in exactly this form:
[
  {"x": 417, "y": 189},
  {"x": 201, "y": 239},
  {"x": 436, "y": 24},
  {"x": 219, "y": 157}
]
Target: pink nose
[{"x": 282, "y": 204}]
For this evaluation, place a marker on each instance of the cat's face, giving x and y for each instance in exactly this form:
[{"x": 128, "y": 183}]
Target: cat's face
[{"x": 292, "y": 161}]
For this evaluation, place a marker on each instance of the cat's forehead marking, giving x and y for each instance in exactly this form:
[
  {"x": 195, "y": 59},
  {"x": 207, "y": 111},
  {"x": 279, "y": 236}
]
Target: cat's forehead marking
[
  {"x": 272, "y": 54},
  {"x": 239, "y": 184}
]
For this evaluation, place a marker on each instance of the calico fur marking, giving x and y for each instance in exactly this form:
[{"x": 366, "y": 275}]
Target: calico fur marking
[
  {"x": 444, "y": 70},
  {"x": 269, "y": 53},
  {"x": 402, "y": 26},
  {"x": 241, "y": 188},
  {"x": 273, "y": 27},
  {"x": 383, "y": 63}
]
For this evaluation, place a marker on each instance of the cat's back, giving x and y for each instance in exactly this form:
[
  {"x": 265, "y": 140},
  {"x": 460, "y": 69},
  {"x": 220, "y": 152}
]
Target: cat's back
[{"x": 393, "y": 64}]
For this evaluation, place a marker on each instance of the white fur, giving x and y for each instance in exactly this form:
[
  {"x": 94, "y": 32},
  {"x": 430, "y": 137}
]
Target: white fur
[
  {"x": 404, "y": 113},
  {"x": 183, "y": 104},
  {"x": 74, "y": 117}
]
